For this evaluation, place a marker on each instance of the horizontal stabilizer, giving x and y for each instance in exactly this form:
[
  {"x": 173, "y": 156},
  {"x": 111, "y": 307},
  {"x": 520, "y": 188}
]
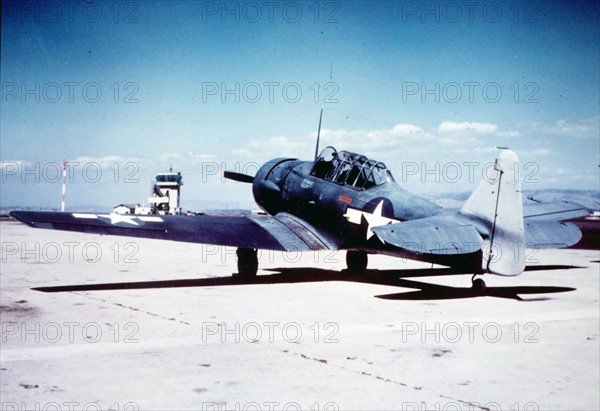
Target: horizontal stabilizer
[
  {"x": 550, "y": 234},
  {"x": 435, "y": 235}
]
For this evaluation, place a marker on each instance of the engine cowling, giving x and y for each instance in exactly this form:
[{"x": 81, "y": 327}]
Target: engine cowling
[{"x": 269, "y": 184}]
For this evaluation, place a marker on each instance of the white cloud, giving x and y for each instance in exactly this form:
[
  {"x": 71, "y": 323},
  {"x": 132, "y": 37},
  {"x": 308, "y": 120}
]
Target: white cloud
[
  {"x": 12, "y": 166},
  {"x": 404, "y": 143},
  {"x": 379, "y": 140},
  {"x": 401, "y": 142},
  {"x": 406, "y": 130}
]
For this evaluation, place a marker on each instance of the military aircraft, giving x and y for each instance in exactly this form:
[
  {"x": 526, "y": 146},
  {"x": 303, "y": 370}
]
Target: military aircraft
[{"x": 346, "y": 201}]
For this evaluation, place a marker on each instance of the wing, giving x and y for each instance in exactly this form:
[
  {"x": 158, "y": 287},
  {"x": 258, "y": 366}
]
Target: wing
[
  {"x": 282, "y": 232},
  {"x": 554, "y": 211},
  {"x": 441, "y": 235},
  {"x": 550, "y": 234}
]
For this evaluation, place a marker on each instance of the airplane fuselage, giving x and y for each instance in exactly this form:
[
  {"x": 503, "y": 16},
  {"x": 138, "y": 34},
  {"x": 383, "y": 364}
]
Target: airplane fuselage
[{"x": 290, "y": 185}]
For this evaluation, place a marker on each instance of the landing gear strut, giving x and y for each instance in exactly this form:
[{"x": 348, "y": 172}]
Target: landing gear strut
[
  {"x": 357, "y": 261},
  {"x": 478, "y": 285},
  {"x": 247, "y": 262}
]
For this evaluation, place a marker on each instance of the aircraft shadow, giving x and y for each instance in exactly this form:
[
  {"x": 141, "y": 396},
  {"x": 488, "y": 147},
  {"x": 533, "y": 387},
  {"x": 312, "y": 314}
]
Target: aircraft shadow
[
  {"x": 396, "y": 278},
  {"x": 441, "y": 292}
]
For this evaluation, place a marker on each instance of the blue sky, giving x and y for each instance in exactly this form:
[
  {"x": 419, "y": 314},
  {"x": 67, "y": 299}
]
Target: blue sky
[{"x": 135, "y": 86}]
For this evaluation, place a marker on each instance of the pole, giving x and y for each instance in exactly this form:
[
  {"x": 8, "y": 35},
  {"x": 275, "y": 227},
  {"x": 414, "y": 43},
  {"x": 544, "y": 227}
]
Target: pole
[{"x": 64, "y": 186}]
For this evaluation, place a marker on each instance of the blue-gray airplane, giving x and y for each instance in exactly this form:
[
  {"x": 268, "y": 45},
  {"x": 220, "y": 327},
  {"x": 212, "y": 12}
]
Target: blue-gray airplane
[{"x": 346, "y": 201}]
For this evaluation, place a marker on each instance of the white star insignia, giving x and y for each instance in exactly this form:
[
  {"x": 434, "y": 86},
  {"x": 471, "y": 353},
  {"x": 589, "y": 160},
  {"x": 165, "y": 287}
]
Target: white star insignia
[
  {"x": 375, "y": 219},
  {"x": 119, "y": 218}
]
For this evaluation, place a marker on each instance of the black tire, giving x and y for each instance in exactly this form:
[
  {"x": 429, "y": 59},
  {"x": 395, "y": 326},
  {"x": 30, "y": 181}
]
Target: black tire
[
  {"x": 479, "y": 286},
  {"x": 357, "y": 261},
  {"x": 247, "y": 262}
]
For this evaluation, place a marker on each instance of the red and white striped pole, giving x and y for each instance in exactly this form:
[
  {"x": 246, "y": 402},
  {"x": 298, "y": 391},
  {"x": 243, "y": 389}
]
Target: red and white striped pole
[{"x": 64, "y": 186}]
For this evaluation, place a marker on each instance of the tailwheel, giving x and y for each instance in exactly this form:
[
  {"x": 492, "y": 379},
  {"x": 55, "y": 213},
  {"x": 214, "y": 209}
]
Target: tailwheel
[
  {"x": 478, "y": 285},
  {"x": 247, "y": 262},
  {"x": 357, "y": 261}
]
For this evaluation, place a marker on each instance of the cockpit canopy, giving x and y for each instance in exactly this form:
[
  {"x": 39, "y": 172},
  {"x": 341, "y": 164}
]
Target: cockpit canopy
[{"x": 350, "y": 169}]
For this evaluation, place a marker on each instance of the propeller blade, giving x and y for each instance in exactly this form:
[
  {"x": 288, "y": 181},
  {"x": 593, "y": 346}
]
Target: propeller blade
[{"x": 242, "y": 178}]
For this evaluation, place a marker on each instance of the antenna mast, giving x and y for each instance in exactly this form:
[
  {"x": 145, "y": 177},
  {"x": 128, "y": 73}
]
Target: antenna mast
[{"x": 318, "y": 134}]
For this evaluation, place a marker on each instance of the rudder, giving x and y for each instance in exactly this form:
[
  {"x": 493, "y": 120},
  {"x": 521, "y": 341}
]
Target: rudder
[{"x": 496, "y": 207}]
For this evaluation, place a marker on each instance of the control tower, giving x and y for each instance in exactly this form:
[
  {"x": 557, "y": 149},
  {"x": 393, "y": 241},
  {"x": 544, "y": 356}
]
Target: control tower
[{"x": 165, "y": 193}]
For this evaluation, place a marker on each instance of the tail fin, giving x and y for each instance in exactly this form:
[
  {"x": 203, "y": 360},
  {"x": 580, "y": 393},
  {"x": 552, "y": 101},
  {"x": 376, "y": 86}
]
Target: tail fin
[{"x": 497, "y": 208}]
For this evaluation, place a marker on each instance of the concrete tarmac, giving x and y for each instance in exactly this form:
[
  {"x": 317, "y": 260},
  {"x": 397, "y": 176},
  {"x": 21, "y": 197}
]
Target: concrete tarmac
[{"x": 146, "y": 324}]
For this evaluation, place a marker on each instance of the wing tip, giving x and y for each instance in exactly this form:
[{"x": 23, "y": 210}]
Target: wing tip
[
  {"x": 25, "y": 217},
  {"x": 19, "y": 215}
]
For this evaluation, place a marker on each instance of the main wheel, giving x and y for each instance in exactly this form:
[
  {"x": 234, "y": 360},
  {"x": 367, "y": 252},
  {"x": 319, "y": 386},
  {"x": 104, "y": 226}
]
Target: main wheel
[
  {"x": 357, "y": 261},
  {"x": 247, "y": 262},
  {"x": 479, "y": 286}
]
